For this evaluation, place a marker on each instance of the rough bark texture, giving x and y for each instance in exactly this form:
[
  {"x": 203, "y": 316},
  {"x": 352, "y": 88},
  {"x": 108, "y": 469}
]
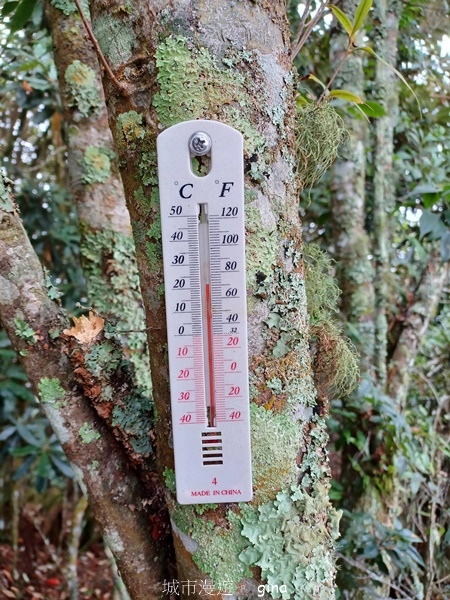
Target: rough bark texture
[
  {"x": 34, "y": 325},
  {"x": 385, "y": 36},
  {"x": 352, "y": 246},
  {"x": 415, "y": 326},
  {"x": 107, "y": 247},
  {"x": 230, "y": 61}
]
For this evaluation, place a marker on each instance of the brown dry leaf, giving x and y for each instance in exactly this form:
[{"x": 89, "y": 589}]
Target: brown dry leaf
[{"x": 86, "y": 329}]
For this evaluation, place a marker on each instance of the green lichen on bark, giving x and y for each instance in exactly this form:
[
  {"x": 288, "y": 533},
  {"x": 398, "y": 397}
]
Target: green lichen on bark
[
  {"x": 115, "y": 38},
  {"x": 96, "y": 166},
  {"x": 134, "y": 418},
  {"x": 24, "y": 331},
  {"x": 114, "y": 253},
  {"x": 291, "y": 546},
  {"x": 82, "y": 88},
  {"x": 52, "y": 291},
  {"x": 148, "y": 169},
  {"x": 129, "y": 411},
  {"x": 261, "y": 247},
  {"x": 169, "y": 478},
  {"x": 292, "y": 537},
  {"x": 103, "y": 358},
  {"x": 50, "y": 390},
  {"x": 88, "y": 434},
  {"x": 275, "y": 439},
  {"x": 68, "y": 7},
  {"x": 129, "y": 128},
  {"x": 192, "y": 85},
  {"x": 218, "y": 547},
  {"x": 6, "y": 202},
  {"x": 286, "y": 367}
]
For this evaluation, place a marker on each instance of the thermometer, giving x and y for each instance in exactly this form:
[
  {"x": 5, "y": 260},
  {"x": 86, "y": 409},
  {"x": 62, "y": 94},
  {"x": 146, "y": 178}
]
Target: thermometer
[{"x": 203, "y": 237}]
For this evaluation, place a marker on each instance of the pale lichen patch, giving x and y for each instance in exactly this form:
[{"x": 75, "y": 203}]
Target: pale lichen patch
[
  {"x": 275, "y": 439},
  {"x": 130, "y": 127},
  {"x": 82, "y": 88},
  {"x": 24, "y": 331},
  {"x": 50, "y": 390},
  {"x": 122, "y": 297},
  {"x": 68, "y": 7},
  {"x": 114, "y": 540},
  {"x": 88, "y": 434},
  {"x": 96, "y": 166},
  {"x": 218, "y": 547},
  {"x": 115, "y": 38},
  {"x": 192, "y": 85},
  {"x": 6, "y": 202},
  {"x": 292, "y": 537}
]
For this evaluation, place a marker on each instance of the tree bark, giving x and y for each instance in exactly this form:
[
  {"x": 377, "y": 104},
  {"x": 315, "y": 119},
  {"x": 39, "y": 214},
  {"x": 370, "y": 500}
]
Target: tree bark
[
  {"x": 230, "y": 62},
  {"x": 385, "y": 36},
  {"x": 414, "y": 327}
]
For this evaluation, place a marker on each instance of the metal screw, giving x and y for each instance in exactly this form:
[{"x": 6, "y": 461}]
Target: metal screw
[{"x": 200, "y": 143}]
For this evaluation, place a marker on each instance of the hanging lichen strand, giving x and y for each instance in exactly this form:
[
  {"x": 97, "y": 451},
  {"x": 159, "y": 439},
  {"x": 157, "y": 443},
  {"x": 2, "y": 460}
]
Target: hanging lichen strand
[
  {"x": 320, "y": 133},
  {"x": 335, "y": 359}
]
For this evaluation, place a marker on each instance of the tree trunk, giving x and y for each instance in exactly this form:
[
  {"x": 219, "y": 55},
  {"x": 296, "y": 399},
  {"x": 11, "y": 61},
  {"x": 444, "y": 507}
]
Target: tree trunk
[
  {"x": 230, "y": 62},
  {"x": 385, "y": 36},
  {"x": 351, "y": 242},
  {"x": 107, "y": 247},
  {"x": 35, "y": 325}
]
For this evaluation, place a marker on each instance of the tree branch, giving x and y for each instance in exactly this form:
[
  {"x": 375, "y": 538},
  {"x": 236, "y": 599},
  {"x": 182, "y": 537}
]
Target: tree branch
[
  {"x": 114, "y": 492},
  {"x": 107, "y": 247},
  {"x": 415, "y": 326}
]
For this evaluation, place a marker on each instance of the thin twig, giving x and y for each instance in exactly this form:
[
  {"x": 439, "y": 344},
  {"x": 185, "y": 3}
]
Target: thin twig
[
  {"x": 301, "y": 25},
  {"x": 100, "y": 54},
  {"x": 333, "y": 77},
  {"x": 312, "y": 23}
]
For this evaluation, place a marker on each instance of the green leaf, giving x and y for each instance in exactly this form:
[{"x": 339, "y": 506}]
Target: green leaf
[
  {"x": 44, "y": 466},
  {"x": 373, "y": 109},
  {"x": 445, "y": 247},
  {"x": 62, "y": 466},
  {"x": 345, "y": 95},
  {"x": 21, "y": 15},
  {"x": 314, "y": 78},
  {"x": 361, "y": 13},
  {"x": 9, "y": 7},
  {"x": 23, "y": 468},
  {"x": 27, "y": 436},
  {"x": 8, "y": 432},
  {"x": 343, "y": 19},
  {"x": 431, "y": 223},
  {"x": 372, "y": 52},
  {"x": 25, "y": 451},
  {"x": 302, "y": 101}
]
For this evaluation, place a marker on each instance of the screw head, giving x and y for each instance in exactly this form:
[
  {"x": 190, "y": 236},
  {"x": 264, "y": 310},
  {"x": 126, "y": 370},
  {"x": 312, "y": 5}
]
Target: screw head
[{"x": 200, "y": 143}]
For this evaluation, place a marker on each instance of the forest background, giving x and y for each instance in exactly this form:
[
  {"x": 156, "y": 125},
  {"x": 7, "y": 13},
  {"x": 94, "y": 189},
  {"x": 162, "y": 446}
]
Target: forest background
[{"x": 375, "y": 227}]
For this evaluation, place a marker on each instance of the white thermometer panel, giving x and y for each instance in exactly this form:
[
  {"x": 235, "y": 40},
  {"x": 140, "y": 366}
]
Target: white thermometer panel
[{"x": 203, "y": 235}]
